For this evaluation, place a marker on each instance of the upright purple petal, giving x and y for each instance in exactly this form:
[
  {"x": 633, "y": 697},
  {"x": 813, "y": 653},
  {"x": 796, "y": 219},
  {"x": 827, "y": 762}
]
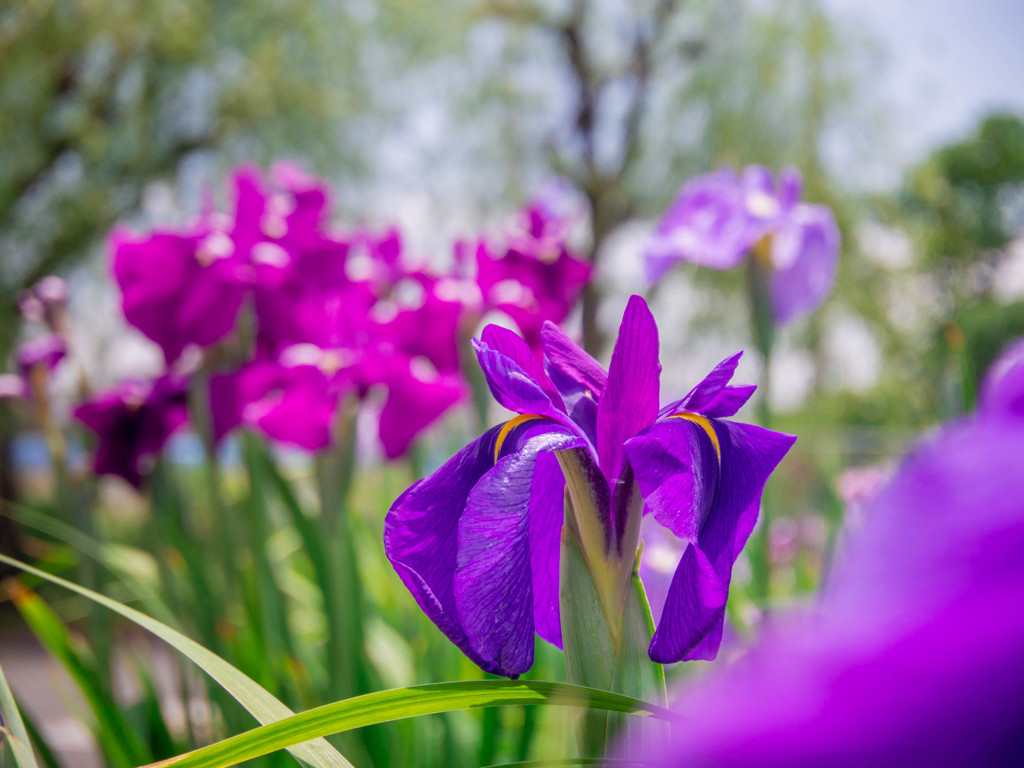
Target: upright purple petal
[
  {"x": 805, "y": 255},
  {"x": 708, "y": 389},
  {"x": 562, "y": 354},
  {"x": 629, "y": 401},
  {"x": 729, "y": 401}
]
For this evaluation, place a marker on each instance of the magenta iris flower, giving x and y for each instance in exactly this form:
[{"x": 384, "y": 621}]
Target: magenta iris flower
[
  {"x": 914, "y": 657},
  {"x": 184, "y": 289},
  {"x": 477, "y": 542},
  {"x": 719, "y": 218},
  {"x": 132, "y": 422},
  {"x": 531, "y": 275}
]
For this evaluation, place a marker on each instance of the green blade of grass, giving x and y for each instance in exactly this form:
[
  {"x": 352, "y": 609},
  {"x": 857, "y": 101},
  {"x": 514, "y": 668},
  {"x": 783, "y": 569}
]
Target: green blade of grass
[
  {"x": 15, "y": 733},
  {"x": 400, "y": 703},
  {"x": 258, "y": 701}
]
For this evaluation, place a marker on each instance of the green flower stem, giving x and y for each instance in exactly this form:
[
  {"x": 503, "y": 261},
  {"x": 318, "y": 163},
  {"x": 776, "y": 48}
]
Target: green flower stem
[
  {"x": 606, "y": 620},
  {"x": 762, "y": 325}
]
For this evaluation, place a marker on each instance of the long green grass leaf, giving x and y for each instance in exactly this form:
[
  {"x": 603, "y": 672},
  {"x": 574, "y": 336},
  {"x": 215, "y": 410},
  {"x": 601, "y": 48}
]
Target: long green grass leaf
[
  {"x": 263, "y": 706},
  {"x": 385, "y": 706},
  {"x": 15, "y": 733}
]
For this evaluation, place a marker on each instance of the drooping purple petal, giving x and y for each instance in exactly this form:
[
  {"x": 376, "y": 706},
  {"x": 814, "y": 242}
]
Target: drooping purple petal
[
  {"x": 547, "y": 513},
  {"x": 676, "y": 465},
  {"x": 494, "y": 579},
  {"x": 693, "y": 608},
  {"x": 714, "y": 506},
  {"x": 629, "y": 401},
  {"x": 421, "y": 537},
  {"x": 708, "y": 224},
  {"x": 805, "y": 255}
]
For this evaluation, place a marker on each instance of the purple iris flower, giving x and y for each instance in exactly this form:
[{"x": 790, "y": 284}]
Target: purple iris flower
[
  {"x": 132, "y": 422},
  {"x": 914, "y": 656},
  {"x": 719, "y": 218},
  {"x": 477, "y": 542}
]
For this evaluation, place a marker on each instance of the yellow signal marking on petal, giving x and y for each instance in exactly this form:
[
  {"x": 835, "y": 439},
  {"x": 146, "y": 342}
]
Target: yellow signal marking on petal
[
  {"x": 508, "y": 427},
  {"x": 704, "y": 423}
]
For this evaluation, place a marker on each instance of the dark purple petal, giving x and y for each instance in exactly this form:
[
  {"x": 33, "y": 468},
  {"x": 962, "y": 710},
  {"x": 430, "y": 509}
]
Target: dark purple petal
[
  {"x": 1002, "y": 393},
  {"x": 132, "y": 423},
  {"x": 547, "y": 514},
  {"x": 805, "y": 255},
  {"x": 629, "y": 401},
  {"x": 494, "y": 580},
  {"x": 421, "y": 537},
  {"x": 693, "y": 608},
  {"x": 676, "y": 465}
]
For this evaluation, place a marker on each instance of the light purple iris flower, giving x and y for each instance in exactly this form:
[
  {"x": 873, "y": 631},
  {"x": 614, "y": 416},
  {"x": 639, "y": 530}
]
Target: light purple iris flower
[
  {"x": 40, "y": 355},
  {"x": 914, "y": 657},
  {"x": 718, "y": 219},
  {"x": 132, "y": 422},
  {"x": 477, "y": 542}
]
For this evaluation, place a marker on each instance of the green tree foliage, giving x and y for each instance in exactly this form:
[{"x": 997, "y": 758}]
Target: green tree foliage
[{"x": 99, "y": 98}]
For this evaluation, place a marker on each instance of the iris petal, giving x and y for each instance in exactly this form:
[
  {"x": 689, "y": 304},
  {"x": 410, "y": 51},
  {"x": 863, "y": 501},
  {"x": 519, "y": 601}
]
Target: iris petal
[
  {"x": 494, "y": 578},
  {"x": 421, "y": 537},
  {"x": 629, "y": 401}
]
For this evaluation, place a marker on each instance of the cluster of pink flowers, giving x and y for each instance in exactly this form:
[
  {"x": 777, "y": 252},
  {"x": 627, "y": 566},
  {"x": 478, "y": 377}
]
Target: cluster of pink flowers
[{"x": 292, "y": 316}]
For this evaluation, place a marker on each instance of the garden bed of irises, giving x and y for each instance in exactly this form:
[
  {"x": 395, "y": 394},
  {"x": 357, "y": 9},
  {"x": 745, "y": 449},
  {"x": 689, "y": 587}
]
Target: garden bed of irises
[{"x": 469, "y": 588}]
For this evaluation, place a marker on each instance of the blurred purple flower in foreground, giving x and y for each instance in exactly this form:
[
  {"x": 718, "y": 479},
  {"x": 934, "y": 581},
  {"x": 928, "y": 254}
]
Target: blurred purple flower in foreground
[
  {"x": 719, "y": 218},
  {"x": 132, "y": 423},
  {"x": 477, "y": 542},
  {"x": 915, "y": 657}
]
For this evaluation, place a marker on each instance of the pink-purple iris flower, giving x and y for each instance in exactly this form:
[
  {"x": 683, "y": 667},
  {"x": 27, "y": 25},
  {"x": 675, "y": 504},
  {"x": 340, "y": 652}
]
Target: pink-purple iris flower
[
  {"x": 914, "y": 656},
  {"x": 719, "y": 218},
  {"x": 477, "y": 542}
]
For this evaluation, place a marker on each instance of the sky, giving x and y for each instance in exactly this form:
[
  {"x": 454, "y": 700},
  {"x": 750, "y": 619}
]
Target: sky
[{"x": 947, "y": 64}]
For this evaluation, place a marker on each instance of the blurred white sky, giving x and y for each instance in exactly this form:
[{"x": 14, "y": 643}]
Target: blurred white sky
[{"x": 948, "y": 63}]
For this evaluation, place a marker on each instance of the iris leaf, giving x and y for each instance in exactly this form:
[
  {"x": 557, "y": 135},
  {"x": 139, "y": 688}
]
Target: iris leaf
[
  {"x": 15, "y": 733},
  {"x": 260, "y": 703},
  {"x": 399, "y": 703}
]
